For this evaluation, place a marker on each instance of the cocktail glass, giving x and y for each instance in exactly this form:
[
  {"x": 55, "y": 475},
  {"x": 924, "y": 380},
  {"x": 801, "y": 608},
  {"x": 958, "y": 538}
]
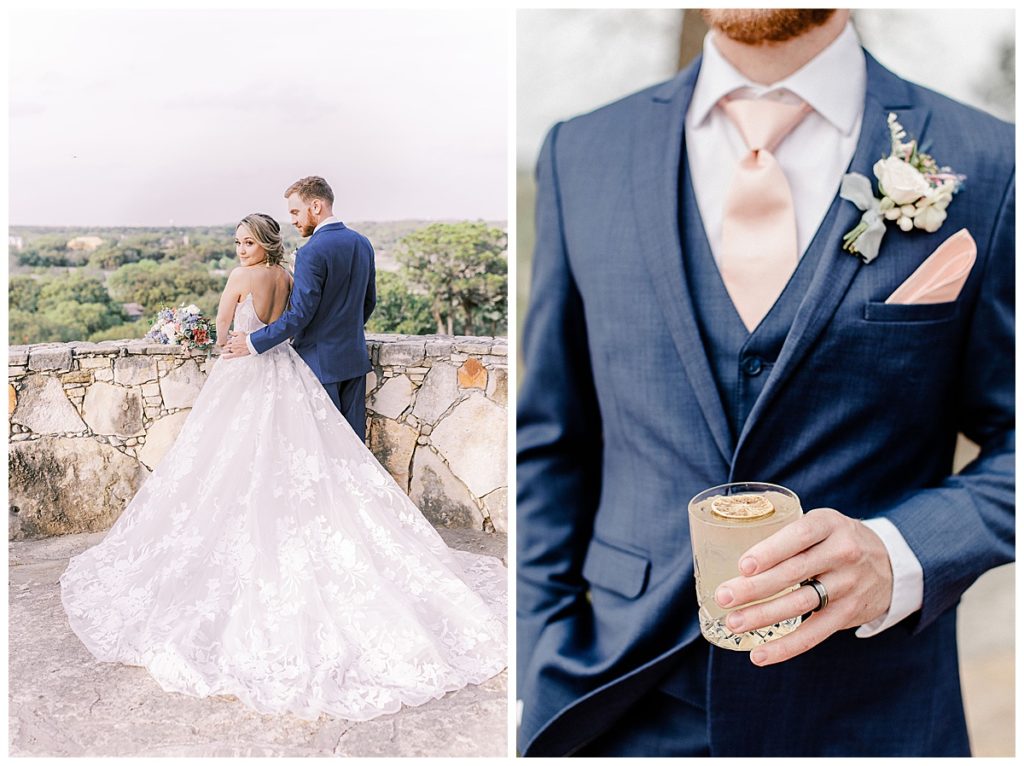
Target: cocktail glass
[{"x": 726, "y": 521}]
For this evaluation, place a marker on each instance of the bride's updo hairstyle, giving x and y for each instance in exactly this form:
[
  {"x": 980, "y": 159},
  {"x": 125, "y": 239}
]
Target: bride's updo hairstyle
[{"x": 267, "y": 232}]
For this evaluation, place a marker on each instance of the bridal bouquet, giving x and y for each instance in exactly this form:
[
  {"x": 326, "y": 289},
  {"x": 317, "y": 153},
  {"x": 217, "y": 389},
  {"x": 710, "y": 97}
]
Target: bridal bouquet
[
  {"x": 915, "y": 193},
  {"x": 184, "y": 326}
]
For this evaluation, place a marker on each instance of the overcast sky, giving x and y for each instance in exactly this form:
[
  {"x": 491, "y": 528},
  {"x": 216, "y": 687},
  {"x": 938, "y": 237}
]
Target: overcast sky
[{"x": 146, "y": 117}]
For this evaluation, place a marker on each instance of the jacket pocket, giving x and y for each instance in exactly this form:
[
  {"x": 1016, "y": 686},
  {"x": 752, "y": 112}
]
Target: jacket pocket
[
  {"x": 877, "y": 311},
  {"x": 615, "y": 569}
]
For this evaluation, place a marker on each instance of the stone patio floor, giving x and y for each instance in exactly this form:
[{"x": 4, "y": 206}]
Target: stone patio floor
[{"x": 62, "y": 702}]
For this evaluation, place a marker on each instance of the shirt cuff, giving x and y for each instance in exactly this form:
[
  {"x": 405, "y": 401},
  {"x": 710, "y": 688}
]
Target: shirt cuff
[
  {"x": 907, "y": 578},
  {"x": 248, "y": 343}
]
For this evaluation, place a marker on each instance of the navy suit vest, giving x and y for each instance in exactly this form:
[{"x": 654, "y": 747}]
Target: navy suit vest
[{"x": 740, "y": 361}]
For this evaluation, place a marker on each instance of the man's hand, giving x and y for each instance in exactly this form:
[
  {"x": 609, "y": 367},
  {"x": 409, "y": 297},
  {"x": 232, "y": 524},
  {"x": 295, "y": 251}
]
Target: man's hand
[
  {"x": 844, "y": 555},
  {"x": 236, "y": 346}
]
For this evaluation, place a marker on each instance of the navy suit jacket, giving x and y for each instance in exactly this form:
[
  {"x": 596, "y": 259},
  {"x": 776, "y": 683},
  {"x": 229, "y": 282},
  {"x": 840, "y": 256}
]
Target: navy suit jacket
[
  {"x": 620, "y": 423},
  {"x": 332, "y": 297}
]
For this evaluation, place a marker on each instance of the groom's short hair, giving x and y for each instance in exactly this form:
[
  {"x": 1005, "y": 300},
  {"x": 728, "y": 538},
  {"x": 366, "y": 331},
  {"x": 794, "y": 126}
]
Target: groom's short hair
[{"x": 310, "y": 188}]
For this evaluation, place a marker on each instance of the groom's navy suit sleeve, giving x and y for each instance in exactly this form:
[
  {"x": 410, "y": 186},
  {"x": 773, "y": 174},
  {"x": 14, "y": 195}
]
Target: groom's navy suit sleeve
[
  {"x": 559, "y": 442},
  {"x": 310, "y": 277},
  {"x": 371, "y": 288},
  {"x": 965, "y": 526}
]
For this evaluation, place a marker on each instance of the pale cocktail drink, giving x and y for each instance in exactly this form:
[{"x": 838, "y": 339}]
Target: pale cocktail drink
[{"x": 725, "y": 522}]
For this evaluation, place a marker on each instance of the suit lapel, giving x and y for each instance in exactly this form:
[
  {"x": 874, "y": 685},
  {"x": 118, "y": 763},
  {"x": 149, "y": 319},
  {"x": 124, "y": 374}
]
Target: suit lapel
[
  {"x": 657, "y": 146},
  {"x": 836, "y": 269}
]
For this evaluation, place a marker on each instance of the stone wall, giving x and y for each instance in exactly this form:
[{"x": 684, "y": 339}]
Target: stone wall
[{"x": 87, "y": 423}]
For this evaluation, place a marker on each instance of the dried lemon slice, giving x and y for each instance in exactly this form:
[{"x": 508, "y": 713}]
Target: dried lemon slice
[{"x": 744, "y": 507}]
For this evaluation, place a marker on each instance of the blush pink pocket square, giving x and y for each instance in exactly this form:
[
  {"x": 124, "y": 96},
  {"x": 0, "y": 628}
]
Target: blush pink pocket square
[{"x": 941, "y": 277}]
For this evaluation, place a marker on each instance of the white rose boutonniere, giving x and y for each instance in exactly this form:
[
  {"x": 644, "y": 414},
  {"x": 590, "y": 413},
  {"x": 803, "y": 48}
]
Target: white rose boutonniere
[
  {"x": 903, "y": 183},
  {"x": 915, "y": 194}
]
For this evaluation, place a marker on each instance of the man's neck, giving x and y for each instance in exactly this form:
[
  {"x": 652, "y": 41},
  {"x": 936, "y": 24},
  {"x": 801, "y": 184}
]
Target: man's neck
[
  {"x": 768, "y": 63},
  {"x": 327, "y": 218}
]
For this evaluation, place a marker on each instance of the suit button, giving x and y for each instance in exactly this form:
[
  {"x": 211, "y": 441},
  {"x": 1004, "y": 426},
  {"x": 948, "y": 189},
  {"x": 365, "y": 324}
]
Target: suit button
[{"x": 751, "y": 366}]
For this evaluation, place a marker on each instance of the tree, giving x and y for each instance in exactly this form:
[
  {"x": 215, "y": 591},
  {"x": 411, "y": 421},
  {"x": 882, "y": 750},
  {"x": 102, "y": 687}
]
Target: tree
[
  {"x": 23, "y": 293},
  {"x": 109, "y": 257},
  {"x": 50, "y": 250},
  {"x": 130, "y": 248},
  {"x": 129, "y": 330},
  {"x": 24, "y": 327},
  {"x": 78, "y": 321},
  {"x": 398, "y": 309},
  {"x": 75, "y": 288},
  {"x": 63, "y": 323},
  {"x": 209, "y": 302},
  {"x": 208, "y": 250},
  {"x": 155, "y": 286},
  {"x": 59, "y": 309},
  {"x": 462, "y": 269}
]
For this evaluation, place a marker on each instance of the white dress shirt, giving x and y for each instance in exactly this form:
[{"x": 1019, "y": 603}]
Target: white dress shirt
[
  {"x": 329, "y": 219},
  {"x": 833, "y": 84}
]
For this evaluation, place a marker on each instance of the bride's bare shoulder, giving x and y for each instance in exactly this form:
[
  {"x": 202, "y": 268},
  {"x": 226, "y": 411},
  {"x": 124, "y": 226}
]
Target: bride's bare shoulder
[{"x": 238, "y": 284}]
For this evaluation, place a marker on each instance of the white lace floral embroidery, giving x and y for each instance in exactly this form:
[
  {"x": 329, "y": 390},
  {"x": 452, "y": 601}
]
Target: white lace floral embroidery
[{"x": 270, "y": 556}]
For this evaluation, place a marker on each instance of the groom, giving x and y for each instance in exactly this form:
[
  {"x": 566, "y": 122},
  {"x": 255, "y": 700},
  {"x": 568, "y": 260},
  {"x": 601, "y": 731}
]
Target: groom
[
  {"x": 690, "y": 325},
  {"x": 332, "y": 298}
]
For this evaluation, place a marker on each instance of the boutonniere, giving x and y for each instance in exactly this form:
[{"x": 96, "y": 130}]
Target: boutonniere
[{"x": 915, "y": 194}]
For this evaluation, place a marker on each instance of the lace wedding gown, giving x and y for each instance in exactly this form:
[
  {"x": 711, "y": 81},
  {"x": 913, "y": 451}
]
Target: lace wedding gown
[{"x": 271, "y": 557}]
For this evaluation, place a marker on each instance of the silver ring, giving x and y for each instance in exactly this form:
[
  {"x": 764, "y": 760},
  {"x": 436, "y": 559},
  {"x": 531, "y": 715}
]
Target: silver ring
[{"x": 820, "y": 590}]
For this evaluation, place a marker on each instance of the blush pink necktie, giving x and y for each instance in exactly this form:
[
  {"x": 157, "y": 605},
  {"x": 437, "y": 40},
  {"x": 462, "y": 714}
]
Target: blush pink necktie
[{"x": 759, "y": 251}]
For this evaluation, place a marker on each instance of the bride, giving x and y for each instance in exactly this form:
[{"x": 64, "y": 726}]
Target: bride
[{"x": 270, "y": 556}]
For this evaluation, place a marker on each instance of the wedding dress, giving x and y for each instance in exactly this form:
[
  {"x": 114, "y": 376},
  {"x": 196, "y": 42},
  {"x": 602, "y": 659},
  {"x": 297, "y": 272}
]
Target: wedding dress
[{"x": 271, "y": 557}]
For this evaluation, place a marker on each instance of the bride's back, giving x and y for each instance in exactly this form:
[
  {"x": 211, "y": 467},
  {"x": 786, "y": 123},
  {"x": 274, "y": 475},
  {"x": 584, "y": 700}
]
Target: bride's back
[{"x": 270, "y": 288}]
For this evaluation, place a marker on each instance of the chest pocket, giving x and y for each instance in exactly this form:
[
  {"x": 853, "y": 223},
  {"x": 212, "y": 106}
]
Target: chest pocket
[{"x": 877, "y": 311}]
